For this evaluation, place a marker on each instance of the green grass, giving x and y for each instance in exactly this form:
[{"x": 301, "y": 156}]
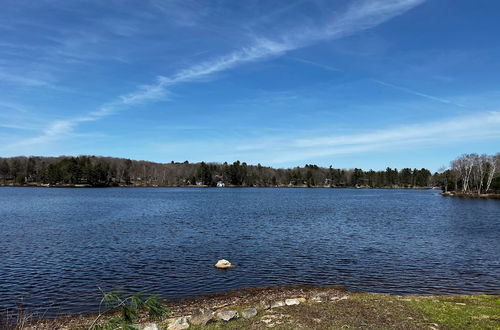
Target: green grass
[
  {"x": 362, "y": 311},
  {"x": 461, "y": 312}
]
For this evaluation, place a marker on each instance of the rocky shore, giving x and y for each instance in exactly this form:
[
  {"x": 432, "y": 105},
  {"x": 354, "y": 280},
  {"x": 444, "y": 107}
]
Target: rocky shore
[{"x": 306, "y": 307}]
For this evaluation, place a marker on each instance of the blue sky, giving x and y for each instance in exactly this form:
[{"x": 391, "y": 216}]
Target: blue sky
[{"x": 361, "y": 83}]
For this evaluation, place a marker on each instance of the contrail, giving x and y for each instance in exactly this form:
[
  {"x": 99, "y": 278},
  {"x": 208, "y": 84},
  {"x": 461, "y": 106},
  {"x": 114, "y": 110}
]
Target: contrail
[{"x": 411, "y": 91}]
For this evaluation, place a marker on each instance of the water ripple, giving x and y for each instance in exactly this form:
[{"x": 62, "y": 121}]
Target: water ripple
[{"x": 58, "y": 246}]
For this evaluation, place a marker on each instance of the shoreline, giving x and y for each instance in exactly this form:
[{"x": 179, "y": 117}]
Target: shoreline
[
  {"x": 210, "y": 187},
  {"x": 470, "y": 195},
  {"x": 300, "y": 306}
]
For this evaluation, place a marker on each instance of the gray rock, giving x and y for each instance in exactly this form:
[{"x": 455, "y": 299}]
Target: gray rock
[
  {"x": 202, "y": 317},
  {"x": 277, "y": 304},
  {"x": 228, "y": 315},
  {"x": 179, "y": 324},
  {"x": 151, "y": 326},
  {"x": 249, "y": 312},
  {"x": 344, "y": 297},
  {"x": 263, "y": 305},
  {"x": 291, "y": 302},
  {"x": 319, "y": 297}
]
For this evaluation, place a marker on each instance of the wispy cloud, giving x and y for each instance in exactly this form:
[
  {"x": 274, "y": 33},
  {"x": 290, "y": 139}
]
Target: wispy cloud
[
  {"x": 279, "y": 149},
  {"x": 480, "y": 126},
  {"x": 285, "y": 148},
  {"x": 186, "y": 13},
  {"x": 7, "y": 78},
  {"x": 476, "y": 125},
  {"x": 361, "y": 15}
]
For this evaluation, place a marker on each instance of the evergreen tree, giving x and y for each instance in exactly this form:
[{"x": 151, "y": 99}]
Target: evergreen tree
[
  {"x": 204, "y": 174},
  {"x": 4, "y": 169},
  {"x": 405, "y": 177}
]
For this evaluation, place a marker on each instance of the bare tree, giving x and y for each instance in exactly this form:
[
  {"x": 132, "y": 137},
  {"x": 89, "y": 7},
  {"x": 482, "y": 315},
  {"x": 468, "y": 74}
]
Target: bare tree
[
  {"x": 493, "y": 167},
  {"x": 463, "y": 167},
  {"x": 478, "y": 171}
]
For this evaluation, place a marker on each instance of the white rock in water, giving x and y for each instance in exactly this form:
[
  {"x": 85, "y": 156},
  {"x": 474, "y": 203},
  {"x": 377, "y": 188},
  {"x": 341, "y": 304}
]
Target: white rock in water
[{"x": 223, "y": 264}]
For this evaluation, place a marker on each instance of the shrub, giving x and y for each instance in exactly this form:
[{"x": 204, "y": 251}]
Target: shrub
[{"x": 131, "y": 307}]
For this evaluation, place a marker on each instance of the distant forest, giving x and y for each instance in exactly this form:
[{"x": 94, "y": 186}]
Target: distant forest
[{"x": 107, "y": 172}]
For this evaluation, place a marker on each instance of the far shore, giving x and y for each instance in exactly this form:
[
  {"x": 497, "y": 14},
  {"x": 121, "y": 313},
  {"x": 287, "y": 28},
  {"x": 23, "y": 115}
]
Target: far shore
[{"x": 41, "y": 185}]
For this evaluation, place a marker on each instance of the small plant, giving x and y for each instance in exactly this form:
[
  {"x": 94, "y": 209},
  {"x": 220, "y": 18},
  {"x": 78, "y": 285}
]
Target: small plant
[
  {"x": 131, "y": 307},
  {"x": 15, "y": 319}
]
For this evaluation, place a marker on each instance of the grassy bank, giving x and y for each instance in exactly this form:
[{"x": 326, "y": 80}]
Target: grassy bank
[
  {"x": 308, "y": 308},
  {"x": 380, "y": 312}
]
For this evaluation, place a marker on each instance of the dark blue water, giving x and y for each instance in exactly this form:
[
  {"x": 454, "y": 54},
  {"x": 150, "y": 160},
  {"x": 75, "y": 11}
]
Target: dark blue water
[{"x": 58, "y": 246}]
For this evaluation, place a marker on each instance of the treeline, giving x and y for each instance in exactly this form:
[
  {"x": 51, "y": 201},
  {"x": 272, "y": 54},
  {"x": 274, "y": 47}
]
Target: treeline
[
  {"x": 107, "y": 171},
  {"x": 473, "y": 174}
]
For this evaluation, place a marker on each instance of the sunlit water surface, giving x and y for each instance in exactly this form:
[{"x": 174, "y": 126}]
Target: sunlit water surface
[{"x": 59, "y": 246}]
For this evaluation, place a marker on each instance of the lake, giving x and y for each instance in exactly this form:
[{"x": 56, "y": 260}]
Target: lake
[{"x": 59, "y": 246}]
